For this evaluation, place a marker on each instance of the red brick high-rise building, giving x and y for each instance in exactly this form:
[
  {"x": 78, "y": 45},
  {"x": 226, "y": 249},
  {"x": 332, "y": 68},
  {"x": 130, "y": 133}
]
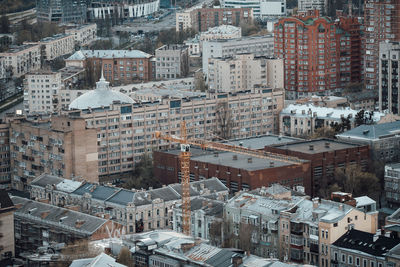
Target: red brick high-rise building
[
  {"x": 320, "y": 55},
  {"x": 382, "y": 22}
]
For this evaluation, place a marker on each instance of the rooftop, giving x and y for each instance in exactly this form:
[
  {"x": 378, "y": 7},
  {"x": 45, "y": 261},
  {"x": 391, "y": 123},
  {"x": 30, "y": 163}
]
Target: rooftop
[
  {"x": 210, "y": 207},
  {"x": 5, "y": 201},
  {"x": 372, "y": 132},
  {"x": 54, "y": 37},
  {"x": 19, "y": 48},
  {"x": 63, "y": 218},
  {"x": 318, "y": 146},
  {"x": 83, "y": 54},
  {"x": 99, "y": 261},
  {"x": 242, "y": 39},
  {"x": 223, "y": 29},
  {"x": 168, "y": 92},
  {"x": 259, "y": 142},
  {"x": 364, "y": 242}
]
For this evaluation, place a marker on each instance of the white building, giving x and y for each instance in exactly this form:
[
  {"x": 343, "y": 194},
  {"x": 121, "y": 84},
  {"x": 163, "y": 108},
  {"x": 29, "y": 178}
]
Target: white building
[
  {"x": 83, "y": 34},
  {"x": 257, "y": 45},
  {"x": 306, "y": 5},
  {"x": 221, "y": 32},
  {"x": 56, "y": 46},
  {"x": 22, "y": 59},
  {"x": 262, "y": 9},
  {"x": 102, "y": 9},
  {"x": 243, "y": 72}
]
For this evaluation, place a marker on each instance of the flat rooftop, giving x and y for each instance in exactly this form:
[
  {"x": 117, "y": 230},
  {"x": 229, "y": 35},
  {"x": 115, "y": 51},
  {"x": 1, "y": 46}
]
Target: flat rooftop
[
  {"x": 319, "y": 146},
  {"x": 259, "y": 142}
]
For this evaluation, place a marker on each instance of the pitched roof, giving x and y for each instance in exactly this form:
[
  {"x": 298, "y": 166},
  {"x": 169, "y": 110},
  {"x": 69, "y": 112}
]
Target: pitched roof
[
  {"x": 99, "y": 261},
  {"x": 364, "y": 242}
]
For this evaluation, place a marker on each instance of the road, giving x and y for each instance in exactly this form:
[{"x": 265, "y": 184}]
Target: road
[{"x": 12, "y": 109}]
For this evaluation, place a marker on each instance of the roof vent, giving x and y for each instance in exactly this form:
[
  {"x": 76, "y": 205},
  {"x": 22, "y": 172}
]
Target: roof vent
[
  {"x": 327, "y": 145},
  {"x": 216, "y": 154},
  {"x": 271, "y": 164},
  {"x": 311, "y": 147},
  {"x": 249, "y": 160},
  {"x": 234, "y": 157},
  {"x": 365, "y": 132}
]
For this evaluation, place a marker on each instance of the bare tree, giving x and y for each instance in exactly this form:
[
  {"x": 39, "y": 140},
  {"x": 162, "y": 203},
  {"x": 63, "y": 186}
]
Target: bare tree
[
  {"x": 216, "y": 233},
  {"x": 224, "y": 120},
  {"x": 78, "y": 250},
  {"x": 125, "y": 257}
]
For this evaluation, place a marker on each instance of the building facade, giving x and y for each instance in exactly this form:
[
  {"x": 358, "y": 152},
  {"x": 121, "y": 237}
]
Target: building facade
[
  {"x": 22, "y": 59},
  {"x": 201, "y": 19},
  {"x": 172, "y": 61},
  {"x": 262, "y": 9},
  {"x": 60, "y": 146},
  {"x": 381, "y": 22},
  {"x": 119, "y": 66},
  {"x": 57, "y": 46},
  {"x": 83, "y": 34},
  {"x": 5, "y": 167},
  {"x": 389, "y": 59},
  {"x": 243, "y": 72},
  {"x": 64, "y": 11},
  {"x": 307, "y": 5},
  {"x": 392, "y": 185},
  {"x": 7, "y": 239},
  {"x": 318, "y": 53},
  {"x": 257, "y": 45}
]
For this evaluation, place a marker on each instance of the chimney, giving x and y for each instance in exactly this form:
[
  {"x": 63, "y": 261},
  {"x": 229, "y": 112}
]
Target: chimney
[
  {"x": 271, "y": 164},
  {"x": 44, "y": 214},
  {"x": 311, "y": 147},
  {"x": 341, "y": 207},
  {"x": 237, "y": 260},
  {"x": 79, "y": 223},
  {"x": 327, "y": 145},
  {"x": 216, "y": 154},
  {"x": 235, "y": 157},
  {"x": 249, "y": 160},
  {"x": 315, "y": 202}
]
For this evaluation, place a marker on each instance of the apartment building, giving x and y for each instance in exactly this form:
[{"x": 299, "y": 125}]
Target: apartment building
[
  {"x": 57, "y": 46},
  {"x": 60, "y": 146},
  {"x": 172, "y": 61},
  {"x": 358, "y": 248},
  {"x": 383, "y": 139},
  {"x": 5, "y": 167},
  {"x": 63, "y": 11},
  {"x": 262, "y": 9},
  {"x": 39, "y": 224},
  {"x": 83, "y": 34},
  {"x": 257, "y": 45},
  {"x": 204, "y": 212},
  {"x": 201, "y": 19},
  {"x": 307, "y": 5},
  {"x": 389, "y": 59},
  {"x": 242, "y": 72},
  {"x": 7, "y": 239},
  {"x": 302, "y": 39},
  {"x": 304, "y": 119},
  {"x": 22, "y": 59},
  {"x": 392, "y": 185},
  {"x": 381, "y": 23},
  {"x": 325, "y": 156},
  {"x": 137, "y": 210},
  {"x": 119, "y": 66}
]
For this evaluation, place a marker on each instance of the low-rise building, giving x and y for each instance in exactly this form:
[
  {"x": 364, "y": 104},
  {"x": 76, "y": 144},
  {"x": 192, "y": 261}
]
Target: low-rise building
[
  {"x": 392, "y": 185},
  {"x": 172, "y": 61},
  {"x": 57, "y": 46},
  {"x": 22, "y": 59},
  {"x": 358, "y": 248},
  {"x": 323, "y": 101},
  {"x": 39, "y": 224},
  {"x": 7, "y": 239},
  {"x": 325, "y": 156},
  {"x": 136, "y": 210},
  {"x": 383, "y": 139},
  {"x": 242, "y": 72},
  {"x": 303, "y": 120},
  {"x": 83, "y": 34},
  {"x": 366, "y": 100}
]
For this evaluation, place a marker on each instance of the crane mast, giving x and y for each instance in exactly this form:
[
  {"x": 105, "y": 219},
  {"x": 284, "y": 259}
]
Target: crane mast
[{"x": 185, "y": 176}]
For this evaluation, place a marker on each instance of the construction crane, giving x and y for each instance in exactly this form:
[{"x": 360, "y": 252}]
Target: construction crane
[{"x": 185, "y": 144}]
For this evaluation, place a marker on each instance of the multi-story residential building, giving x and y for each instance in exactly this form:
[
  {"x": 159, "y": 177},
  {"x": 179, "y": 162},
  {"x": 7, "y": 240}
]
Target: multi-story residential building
[
  {"x": 262, "y": 9},
  {"x": 243, "y": 72},
  {"x": 293, "y": 227},
  {"x": 63, "y": 11},
  {"x": 381, "y": 22},
  {"x": 39, "y": 224},
  {"x": 7, "y": 239},
  {"x": 57, "y": 46},
  {"x": 119, "y": 66},
  {"x": 61, "y": 146},
  {"x": 22, "y": 59},
  {"x": 389, "y": 59},
  {"x": 307, "y": 5},
  {"x": 383, "y": 140},
  {"x": 205, "y": 213},
  {"x": 126, "y": 9},
  {"x": 172, "y": 61},
  {"x": 318, "y": 53},
  {"x": 136, "y": 210},
  {"x": 201, "y": 19},
  {"x": 303, "y": 120},
  {"x": 5, "y": 167},
  {"x": 257, "y": 45},
  {"x": 325, "y": 156},
  {"x": 359, "y": 248},
  {"x": 392, "y": 185},
  {"x": 366, "y": 100},
  {"x": 83, "y": 34},
  {"x": 221, "y": 32}
]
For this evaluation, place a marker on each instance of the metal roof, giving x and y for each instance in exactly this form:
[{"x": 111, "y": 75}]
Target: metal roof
[{"x": 372, "y": 132}]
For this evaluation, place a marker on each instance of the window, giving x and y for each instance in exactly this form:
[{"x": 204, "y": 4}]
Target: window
[
  {"x": 343, "y": 258},
  {"x": 364, "y": 263},
  {"x": 350, "y": 259},
  {"x": 357, "y": 261}
]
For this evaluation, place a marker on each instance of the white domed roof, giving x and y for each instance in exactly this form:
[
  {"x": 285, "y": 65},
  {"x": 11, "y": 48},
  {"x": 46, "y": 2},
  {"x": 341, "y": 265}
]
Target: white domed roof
[{"x": 102, "y": 96}]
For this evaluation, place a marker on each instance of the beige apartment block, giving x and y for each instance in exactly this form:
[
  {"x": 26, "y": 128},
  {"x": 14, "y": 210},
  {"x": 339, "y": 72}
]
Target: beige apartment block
[
  {"x": 60, "y": 146},
  {"x": 7, "y": 241},
  {"x": 22, "y": 59},
  {"x": 57, "y": 46},
  {"x": 5, "y": 167},
  {"x": 83, "y": 34},
  {"x": 221, "y": 32},
  {"x": 243, "y": 72}
]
